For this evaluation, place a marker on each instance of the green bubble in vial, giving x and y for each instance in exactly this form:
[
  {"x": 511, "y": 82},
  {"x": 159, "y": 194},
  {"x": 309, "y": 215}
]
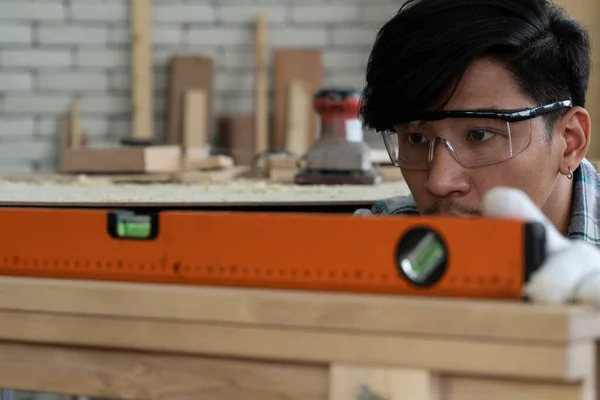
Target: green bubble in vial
[
  {"x": 424, "y": 258},
  {"x": 126, "y": 229},
  {"x": 429, "y": 257}
]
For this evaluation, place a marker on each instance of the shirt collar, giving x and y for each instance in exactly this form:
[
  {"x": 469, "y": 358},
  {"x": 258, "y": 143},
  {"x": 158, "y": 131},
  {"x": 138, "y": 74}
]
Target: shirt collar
[{"x": 584, "y": 209}]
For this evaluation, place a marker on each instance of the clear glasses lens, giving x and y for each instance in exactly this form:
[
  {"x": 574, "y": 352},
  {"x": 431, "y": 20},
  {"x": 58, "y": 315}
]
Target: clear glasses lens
[{"x": 472, "y": 142}]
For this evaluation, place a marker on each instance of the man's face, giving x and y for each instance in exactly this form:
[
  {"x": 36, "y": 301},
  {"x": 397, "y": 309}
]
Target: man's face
[{"x": 451, "y": 189}]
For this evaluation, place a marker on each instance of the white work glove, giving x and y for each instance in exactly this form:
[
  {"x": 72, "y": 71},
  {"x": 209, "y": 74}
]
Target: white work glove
[{"x": 571, "y": 272}]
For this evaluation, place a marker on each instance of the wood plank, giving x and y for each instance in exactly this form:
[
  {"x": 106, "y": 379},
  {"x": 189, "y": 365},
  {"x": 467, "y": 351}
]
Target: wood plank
[
  {"x": 455, "y": 318},
  {"x": 132, "y": 159},
  {"x": 469, "y": 388},
  {"x": 565, "y": 362},
  {"x": 141, "y": 70},
  {"x": 187, "y": 72},
  {"x": 261, "y": 111},
  {"x": 302, "y": 65},
  {"x": 134, "y": 375}
]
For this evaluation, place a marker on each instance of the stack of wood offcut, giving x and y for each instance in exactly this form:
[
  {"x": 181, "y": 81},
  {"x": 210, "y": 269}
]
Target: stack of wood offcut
[
  {"x": 275, "y": 138},
  {"x": 268, "y": 144}
]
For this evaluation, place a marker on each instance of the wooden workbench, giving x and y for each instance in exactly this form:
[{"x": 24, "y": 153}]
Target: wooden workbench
[
  {"x": 140, "y": 341},
  {"x": 100, "y": 191}
]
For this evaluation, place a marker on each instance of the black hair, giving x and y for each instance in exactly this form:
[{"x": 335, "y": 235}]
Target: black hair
[{"x": 420, "y": 55}]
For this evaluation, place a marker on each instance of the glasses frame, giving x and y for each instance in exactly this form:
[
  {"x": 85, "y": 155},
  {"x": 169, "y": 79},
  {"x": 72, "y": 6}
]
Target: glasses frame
[{"x": 507, "y": 116}]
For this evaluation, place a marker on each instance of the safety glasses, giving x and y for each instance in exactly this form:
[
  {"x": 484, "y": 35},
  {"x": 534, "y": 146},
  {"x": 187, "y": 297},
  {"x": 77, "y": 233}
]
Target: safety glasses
[{"x": 474, "y": 138}]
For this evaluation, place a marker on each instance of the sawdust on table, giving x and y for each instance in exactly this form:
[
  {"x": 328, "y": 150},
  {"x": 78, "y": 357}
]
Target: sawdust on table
[{"x": 91, "y": 189}]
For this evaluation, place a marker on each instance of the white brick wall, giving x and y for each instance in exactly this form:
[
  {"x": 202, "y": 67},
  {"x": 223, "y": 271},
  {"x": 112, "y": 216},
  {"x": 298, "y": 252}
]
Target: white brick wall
[{"x": 53, "y": 51}]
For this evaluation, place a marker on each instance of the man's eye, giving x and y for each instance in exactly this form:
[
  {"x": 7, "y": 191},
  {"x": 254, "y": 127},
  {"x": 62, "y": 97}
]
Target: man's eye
[
  {"x": 479, "y": 135},
  {"x": 416, "y": 138}
]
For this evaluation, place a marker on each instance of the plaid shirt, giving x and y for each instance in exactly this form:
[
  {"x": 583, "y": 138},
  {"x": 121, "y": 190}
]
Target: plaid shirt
[{"x": 585, "y": 212}]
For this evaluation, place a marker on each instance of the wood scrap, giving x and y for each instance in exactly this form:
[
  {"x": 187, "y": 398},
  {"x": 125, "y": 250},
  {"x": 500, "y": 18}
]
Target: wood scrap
[
  {"x": 187, "y": 73},
  {"x": 261, "y": 132},
  {"x": 122, "y": 159},
  {"x": 283, "y": 162},
  {"x": 282, "y": 175},
  {"x": 77, "y": 158},
  {"x": 236, "y": 138},
  {"x": 135, "y": 159},
  {"x": 294, "y": 65},
  {"x": 141, "y": 71},
  {"x": 282, "y": 168},
  {"x": 210, "y": 163},
  {"x": 299, "y": 110},
  {"x": 195, "y": 132}
]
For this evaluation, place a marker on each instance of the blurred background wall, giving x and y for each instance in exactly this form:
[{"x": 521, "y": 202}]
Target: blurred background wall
[{"x": 54, "y": 51}]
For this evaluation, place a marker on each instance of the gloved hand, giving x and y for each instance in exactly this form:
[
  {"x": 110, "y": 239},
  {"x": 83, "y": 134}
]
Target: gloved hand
[{"x": 571, "y": 272}]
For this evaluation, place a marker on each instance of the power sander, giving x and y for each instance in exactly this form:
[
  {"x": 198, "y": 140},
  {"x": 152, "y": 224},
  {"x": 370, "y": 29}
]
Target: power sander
[{"x": 339, "y": 156}]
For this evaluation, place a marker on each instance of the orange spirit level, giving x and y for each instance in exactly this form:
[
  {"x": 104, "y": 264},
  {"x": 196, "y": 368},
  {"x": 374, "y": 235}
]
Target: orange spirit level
[{"x": 478, "y": 258}]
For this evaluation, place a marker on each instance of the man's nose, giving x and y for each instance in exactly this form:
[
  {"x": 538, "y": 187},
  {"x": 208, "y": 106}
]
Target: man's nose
[{"x": 446, "y": 174}]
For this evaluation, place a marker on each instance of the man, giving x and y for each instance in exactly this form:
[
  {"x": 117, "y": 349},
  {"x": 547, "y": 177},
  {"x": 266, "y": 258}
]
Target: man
[{"x": 472, "y": 96}]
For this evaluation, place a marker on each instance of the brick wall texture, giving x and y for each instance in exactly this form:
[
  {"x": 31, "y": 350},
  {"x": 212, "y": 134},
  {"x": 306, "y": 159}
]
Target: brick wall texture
[{"x": 54, "y": 51}]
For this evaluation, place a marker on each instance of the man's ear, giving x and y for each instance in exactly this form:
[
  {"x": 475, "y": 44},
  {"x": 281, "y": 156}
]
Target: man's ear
[{"x": 576, "y": 131}]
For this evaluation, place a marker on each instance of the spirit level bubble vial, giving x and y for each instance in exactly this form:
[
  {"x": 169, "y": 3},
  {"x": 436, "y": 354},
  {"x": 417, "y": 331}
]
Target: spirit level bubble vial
[
  {"x": 422, "y": 256},
  {"x": 129, "y": 225}
]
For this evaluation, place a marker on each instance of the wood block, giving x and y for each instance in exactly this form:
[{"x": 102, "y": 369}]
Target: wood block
[
  {"x": 186, "y": 73},
  {"x": 282, "y": 162},
  {"x": 236, "y": 138},
  {"x": 195, "y": 153},
  {"x": 210, "y": 162},
  {"x": 294, "y": 65},
  {"x": 122, "y": 160},
  {"x": 282, "y": 175}
]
